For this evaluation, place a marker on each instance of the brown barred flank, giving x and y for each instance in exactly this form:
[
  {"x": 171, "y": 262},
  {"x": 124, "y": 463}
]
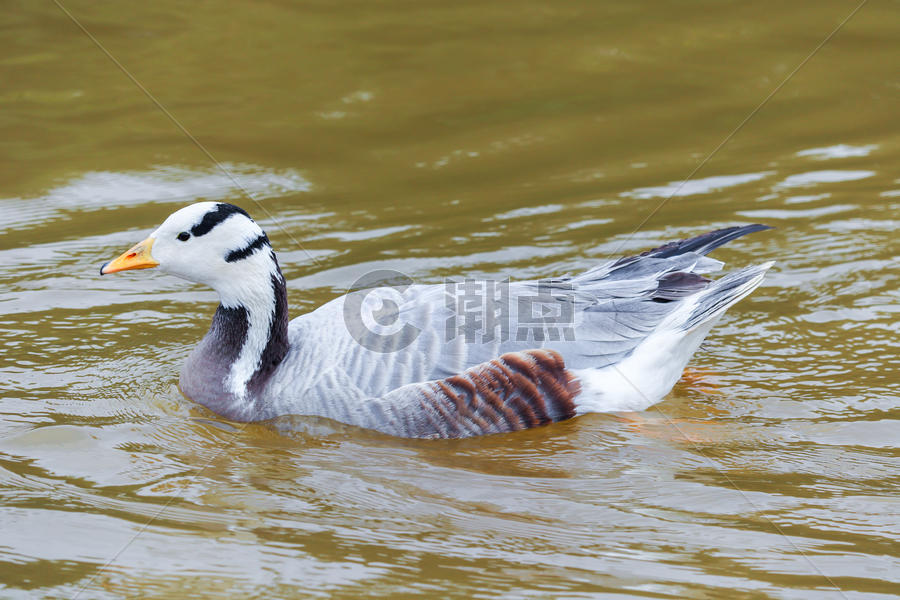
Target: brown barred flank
[{"x": 516, "y": 391}]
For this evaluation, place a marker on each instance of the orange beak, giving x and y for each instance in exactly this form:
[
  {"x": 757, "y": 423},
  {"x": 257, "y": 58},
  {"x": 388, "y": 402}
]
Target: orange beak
[{"x": 138, "y": 257}]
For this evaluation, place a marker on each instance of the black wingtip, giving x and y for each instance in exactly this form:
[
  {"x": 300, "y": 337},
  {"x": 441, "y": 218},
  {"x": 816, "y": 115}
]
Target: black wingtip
[{"x": 706, "y": 242}]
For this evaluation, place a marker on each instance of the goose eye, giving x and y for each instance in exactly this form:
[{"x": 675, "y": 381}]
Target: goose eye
[{"x": 184, "y": 236}]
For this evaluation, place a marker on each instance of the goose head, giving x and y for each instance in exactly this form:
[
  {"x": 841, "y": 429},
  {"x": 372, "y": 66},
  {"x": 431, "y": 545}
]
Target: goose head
[
  {"x": 211, "y": 243},
  {"x": 219, "y": 245}
]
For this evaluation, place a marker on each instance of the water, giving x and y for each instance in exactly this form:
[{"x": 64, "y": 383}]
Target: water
[{"x": 451, "y": 139}]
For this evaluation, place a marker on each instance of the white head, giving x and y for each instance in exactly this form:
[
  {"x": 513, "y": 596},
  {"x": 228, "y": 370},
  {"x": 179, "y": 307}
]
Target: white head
[{"x": 213, "y": 243}]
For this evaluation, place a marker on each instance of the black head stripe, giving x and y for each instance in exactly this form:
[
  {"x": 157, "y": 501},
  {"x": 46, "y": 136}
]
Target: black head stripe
[
  {"x": 221, "y": 212},
  {"x": 242, "y": 253}
]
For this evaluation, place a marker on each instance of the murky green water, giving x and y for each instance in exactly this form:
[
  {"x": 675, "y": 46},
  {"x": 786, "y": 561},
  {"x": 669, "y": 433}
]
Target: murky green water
[{"x": 451, "y": 138}]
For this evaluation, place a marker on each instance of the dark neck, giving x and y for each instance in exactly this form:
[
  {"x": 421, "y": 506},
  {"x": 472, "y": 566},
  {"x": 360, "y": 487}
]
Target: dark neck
[
  {"x": 208, "y": 376},
  {"x": 277, "y": 344}
]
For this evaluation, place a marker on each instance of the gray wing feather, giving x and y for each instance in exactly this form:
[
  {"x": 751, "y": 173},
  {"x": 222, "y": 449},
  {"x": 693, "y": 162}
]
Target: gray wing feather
[
  {"x": 600, "y": 317},
  {"x": 606, "y": 311}
]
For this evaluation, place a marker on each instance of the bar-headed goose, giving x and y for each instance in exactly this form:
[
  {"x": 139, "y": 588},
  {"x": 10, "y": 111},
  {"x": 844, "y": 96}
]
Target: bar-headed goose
[{"x": 413, "y": 361}]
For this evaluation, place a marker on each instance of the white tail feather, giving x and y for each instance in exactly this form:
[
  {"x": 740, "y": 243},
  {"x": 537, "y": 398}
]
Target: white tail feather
[{"x": 646, "y": 375}]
